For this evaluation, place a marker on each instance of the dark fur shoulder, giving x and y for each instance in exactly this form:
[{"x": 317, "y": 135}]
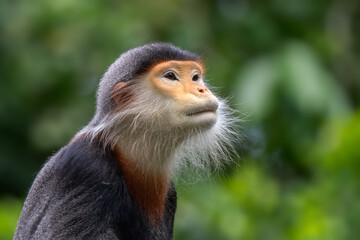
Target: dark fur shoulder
[{"x": 80, "y": 193}]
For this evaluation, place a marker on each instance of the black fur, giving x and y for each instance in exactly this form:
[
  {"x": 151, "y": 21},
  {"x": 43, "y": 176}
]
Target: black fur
[
  {"x": 157, "y": 52},
  {"x": 81, "y": 194}
]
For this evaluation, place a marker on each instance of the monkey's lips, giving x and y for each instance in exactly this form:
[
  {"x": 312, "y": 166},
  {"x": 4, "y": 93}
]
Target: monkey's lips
[
  {"x": 202, "y": 110},
  {"x": 204, "y": 117},
  {"x": 198, "y": 113}
]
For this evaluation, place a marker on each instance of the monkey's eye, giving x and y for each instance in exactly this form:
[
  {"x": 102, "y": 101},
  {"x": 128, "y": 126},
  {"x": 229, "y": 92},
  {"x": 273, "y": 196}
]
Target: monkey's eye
[
  {"x": 195, "y": 77},
  {"x": 171, "y": 76}
]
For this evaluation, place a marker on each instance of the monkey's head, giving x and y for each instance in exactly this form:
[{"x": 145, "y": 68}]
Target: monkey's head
[{"x": 153, "y": 103}]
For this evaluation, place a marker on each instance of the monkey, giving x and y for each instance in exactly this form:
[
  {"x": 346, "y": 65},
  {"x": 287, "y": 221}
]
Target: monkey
[{"x": 154, "y": 114}]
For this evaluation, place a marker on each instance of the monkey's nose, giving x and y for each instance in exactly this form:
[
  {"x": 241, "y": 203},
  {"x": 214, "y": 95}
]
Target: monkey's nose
[{"x": 202, "y": 89}]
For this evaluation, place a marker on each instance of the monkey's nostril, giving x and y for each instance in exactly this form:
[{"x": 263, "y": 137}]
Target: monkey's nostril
[{"x": 202, "y": 90}]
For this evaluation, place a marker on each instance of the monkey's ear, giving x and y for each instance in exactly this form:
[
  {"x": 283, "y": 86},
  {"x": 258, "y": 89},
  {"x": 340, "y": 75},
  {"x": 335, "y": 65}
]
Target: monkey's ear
[
  {"x": 119, "y": 85},
  {"x": 121, "y": 93}
]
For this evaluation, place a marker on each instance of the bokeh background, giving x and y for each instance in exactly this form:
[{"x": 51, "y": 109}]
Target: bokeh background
[{"x": 290, "y": 67}]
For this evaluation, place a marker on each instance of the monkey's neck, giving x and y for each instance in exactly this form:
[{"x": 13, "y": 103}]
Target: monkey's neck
[
  {"x": 153, "y": 152},
  {"x": 148, "y": 189}
]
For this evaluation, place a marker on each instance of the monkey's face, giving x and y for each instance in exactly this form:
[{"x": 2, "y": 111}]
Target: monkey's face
[{"x": 189, "y": 102}]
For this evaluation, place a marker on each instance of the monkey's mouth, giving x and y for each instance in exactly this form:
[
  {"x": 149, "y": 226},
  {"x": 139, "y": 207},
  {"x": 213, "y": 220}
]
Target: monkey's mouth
[
  {"x": 200, "y": 112},
  {"x": 210, "y": 108}
]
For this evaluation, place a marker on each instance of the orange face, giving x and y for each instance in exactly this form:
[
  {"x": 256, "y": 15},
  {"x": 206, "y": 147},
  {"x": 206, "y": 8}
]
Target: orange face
[{"x": 181, "y": 83}]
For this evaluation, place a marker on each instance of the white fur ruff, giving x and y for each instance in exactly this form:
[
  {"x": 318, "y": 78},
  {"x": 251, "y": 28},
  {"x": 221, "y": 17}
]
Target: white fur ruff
[{"x": 143, "y": 131}]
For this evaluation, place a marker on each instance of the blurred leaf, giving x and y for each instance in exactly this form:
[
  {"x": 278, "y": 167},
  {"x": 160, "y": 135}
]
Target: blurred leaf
[
  {"x": 257, "y": 86},
  {"x": 308, "y": 84},
  {"x": 296, "y": 73},
  {"x": 9, "y": 213}
]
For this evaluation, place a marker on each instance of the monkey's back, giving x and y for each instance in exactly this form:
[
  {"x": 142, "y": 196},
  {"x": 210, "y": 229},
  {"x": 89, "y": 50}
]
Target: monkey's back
[{"x": 80, "y": 193}]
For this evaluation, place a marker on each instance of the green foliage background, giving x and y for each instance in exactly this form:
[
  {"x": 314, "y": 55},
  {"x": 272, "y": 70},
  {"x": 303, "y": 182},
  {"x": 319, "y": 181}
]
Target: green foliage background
[{"x": 291, "y": 68}]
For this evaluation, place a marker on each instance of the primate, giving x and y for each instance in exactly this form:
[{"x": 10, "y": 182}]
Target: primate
[{"x": 154, "y": 114}]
